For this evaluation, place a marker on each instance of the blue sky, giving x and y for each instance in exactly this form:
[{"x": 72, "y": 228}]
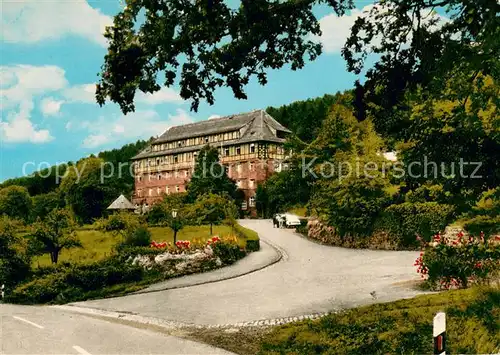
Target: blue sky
[{"x": 51, "y": 54}]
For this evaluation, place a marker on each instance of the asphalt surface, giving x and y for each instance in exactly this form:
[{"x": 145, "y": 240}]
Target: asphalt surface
[
  {"x": 43, "y": 330},
  {"x": 310, "y": 278}
]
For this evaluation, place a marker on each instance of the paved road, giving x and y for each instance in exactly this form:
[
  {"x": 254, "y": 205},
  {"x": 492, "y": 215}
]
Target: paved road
[
  {"x": 42, "y": 330},
  {"x": 310, "y": 278}
]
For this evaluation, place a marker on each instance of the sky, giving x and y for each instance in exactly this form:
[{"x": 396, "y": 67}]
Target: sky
[{"x": 51, "y": 52}]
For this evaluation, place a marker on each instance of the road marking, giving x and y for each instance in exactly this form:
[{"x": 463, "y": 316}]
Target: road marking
[
  {"x": 27, "y": 321},
  {"x": 80, "y": 350}
]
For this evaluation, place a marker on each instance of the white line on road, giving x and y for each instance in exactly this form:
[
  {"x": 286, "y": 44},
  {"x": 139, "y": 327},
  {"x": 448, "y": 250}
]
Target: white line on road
[
  {"x": 80, "y": 350},
  {"x": 27, "y": 321}
]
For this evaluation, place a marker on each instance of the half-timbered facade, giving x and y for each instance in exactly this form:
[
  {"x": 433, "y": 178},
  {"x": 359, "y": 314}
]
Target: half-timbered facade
[{"x": 250, "y": 145}]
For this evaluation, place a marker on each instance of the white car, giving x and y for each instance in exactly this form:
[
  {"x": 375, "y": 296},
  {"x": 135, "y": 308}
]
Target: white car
[{"x": 291, "y": 220}]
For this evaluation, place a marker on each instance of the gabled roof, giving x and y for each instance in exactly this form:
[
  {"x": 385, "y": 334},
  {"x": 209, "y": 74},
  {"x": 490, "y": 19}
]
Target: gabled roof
[
  {"x": 121, "y": 203},
  {"x": 254, "y": 126}
]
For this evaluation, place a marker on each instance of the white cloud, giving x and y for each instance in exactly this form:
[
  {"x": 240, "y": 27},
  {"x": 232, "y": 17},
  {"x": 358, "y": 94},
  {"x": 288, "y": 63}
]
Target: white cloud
[
  {"x": 35, "y": 21},
  {"x": 50, "y": 107},
  {"x": 69, "y": 126},
  {"x": 18, "y": 128},
  {"x": 135, "y": 125},
  {"x": 159, "y": 97},
  {"x": 335, "y": 30},
  {"x": 80, "y": 93},
  {"x": 26, "y": 81},
  {"x": 95, "y": 140},
  {"x": 20, "y": 84}
]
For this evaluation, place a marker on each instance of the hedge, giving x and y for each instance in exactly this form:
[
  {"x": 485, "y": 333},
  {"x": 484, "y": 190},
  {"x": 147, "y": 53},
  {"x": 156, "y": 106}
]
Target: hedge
[
  {"x": 251, "y": 237},
  {"x": 407, "y": 220},
  {"x": 487, "y": 225}
]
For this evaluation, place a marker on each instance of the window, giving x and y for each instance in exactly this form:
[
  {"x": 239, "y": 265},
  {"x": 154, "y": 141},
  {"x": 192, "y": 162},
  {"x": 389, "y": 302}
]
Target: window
[
  {"x": 251, "y": 166},
  {"x": 244, "y": 205},
  {"x": 186, "y": 173},
  {"x": 158, "y": 191},
  {"x": 252, "y": 148},
  {"x": 239, "y": 184},
  {"x": 157, "y": 161},
  {"x": 159, "y": 176},
  {"x": 238, "y": 167},
  {"x": 149, "y": 177},
  {"x": 226, "y": 152},
  {"x": 206, "y": 139},
  {"x": 251, "y": 201},
  {"x": 176, "y": 159},
  {"x": 179, "y": 144},
  {"x": 177, "y": 188},
  {"x": 139, "y": 193},
  {"x": 139, "y": 178},
  {"x": 238, "y": 151},
  {"x": 167, "y": 190},
  {"x": 176, "y": 173},
  {"x": 278, "y": 167},
  {"x": 251, "y": 184},
  {"x": 150, "y": 192}
]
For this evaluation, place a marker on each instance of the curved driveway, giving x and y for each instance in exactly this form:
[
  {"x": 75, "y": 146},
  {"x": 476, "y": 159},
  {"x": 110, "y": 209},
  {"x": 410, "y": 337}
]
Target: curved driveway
[{"x": 310, "y": 278}]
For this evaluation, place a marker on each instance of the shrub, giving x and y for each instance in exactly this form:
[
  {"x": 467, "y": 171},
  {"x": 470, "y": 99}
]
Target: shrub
[
  {"x": 489, "y": 204},
  {"x": 251, "y": 237},
  {"x": 485, "y": 224},
  {"x": 460, "y": 261},
  {"x": 14, "y": 265},
  {"x": 428, "y": 193},
  {"x": 73, "y": 283},
  {"x": 138, "y": 237},
  {"x": 407, "y": 220},
  {"x": 228, "y": 253},
  {"x": 352, "y": 206}
]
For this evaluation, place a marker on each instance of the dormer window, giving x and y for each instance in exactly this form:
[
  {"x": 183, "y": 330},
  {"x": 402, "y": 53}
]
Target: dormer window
[
  {"x": 206, "y": 139},
  {"x": 226, "y": 152},
  {"x": 252, "y": 148},
  {"x": 238, "y": 151},
  {"x": 179, "y": 144}
]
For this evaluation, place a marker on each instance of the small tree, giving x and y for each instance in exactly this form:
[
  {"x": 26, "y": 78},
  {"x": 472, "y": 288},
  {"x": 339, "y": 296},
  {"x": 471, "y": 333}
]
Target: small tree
[
  {"x": 15, "y": 202},
  {"x": 55, "y": 233},
  {"x": 210, "y": 176},
  {"x": 14, "y": 265},
  {"x": 213, "y": 209}
]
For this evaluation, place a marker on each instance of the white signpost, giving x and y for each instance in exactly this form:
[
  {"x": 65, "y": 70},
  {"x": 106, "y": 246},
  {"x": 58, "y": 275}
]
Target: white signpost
[
  {"x": 3, "y": 291},
  {"x": 439, "y": 333}
]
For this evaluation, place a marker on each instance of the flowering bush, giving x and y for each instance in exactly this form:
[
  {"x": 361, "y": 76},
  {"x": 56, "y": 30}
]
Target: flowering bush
[
  {"x": 460, "y": 261},
  {"x": 183, "y": 244}
]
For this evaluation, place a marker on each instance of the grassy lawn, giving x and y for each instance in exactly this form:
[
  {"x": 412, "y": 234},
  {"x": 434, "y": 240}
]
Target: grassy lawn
[
  {"x": 97, "y": 245},
  {"x": 402, "y": 327}
]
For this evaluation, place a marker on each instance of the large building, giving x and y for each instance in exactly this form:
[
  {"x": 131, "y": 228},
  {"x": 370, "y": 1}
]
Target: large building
[{"x": 250, "y": 145}]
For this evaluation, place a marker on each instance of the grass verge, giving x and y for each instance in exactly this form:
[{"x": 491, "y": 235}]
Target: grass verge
[{"x": 403, "y": 327}]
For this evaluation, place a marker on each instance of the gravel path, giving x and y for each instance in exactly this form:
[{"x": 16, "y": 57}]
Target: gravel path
[{"x": 309, "y": 279}]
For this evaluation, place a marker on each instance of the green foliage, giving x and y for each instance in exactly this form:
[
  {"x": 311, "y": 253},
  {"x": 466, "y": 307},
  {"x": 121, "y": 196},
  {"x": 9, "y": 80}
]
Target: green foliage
[
  {"x": 55, "y": 233},
  {"x": 251, "y": 237},
  {"x": 352, "y": 206},
  {"x": 14, "y": 266},
  {"x": 161, "y": 213},
  {"x": 15, "y": 202},
  {"x": 408, "y": 220},
  {"x": 44, "y": 203},
  {"x": 85, "y": 191},
  {"x": 76, "y": 282},
  {"x": 215, "y": 44},
  {"x": 228, "y": 253},
  {"x": 139, "y": 237},
  {"x": 483, "y": 224},
  {"x": 40, "y": 182},
  {"x": 304, "y": 118},
  {"x": 428, "y": 193},
  {"x": 209, "y": 176},
  {"x": 213, "y": 209},
  {"x": 489, "y": 203},
  {"x": 120, "y": 223},
  {"x": 459, "y": 261},
  {"x": 402, "y": 327}
]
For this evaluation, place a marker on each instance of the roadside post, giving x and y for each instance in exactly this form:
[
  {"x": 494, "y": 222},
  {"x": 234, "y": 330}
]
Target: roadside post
[
  {"x": 3, "y": 291},
  {"x": 439, "y": 333}
]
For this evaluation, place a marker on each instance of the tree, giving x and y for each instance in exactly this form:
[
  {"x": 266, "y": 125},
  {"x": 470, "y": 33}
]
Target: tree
[
  {"x": 44, "y": 203},
  {"x": 213, "y": 209},
  {"x": 14, "y": 265},
  {"x": 87, "y": 191},
  {"x": 55, "y": 233},
  {"x": 209, "y": 176},
  {"x": 15, "y": 202},
  {"x": 211, "y": 43}
]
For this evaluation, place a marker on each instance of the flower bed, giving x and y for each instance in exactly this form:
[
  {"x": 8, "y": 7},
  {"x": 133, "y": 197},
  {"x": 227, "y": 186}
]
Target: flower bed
[{"x": 459, "y": 262}]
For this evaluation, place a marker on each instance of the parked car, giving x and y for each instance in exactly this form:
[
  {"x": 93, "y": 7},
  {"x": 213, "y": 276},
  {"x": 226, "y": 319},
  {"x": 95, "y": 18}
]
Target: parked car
[{"x": 291, "y": 220}]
